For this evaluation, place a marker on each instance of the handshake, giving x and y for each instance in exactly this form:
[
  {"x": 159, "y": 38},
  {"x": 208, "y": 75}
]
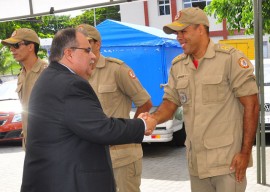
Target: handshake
[{"x": 150, "y": 123}]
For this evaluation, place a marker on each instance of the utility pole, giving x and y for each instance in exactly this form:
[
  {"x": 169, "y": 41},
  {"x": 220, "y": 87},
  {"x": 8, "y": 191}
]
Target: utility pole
[{"x": 95, "y": 23}]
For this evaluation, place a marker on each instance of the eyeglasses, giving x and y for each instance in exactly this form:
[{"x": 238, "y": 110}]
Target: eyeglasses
[
  {"x": 87, "y": 50},
  {"x": 17, "y": 45}
]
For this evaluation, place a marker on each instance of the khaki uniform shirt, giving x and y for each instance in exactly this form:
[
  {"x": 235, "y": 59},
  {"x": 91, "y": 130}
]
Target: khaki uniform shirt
[
  {"x": 213, "y": 114},
  {"x": 117, "y": 87},
  {"x": 25, "y": 84}
]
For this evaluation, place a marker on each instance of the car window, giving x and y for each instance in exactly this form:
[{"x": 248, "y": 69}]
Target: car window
[{"x": 8, "y": 90}]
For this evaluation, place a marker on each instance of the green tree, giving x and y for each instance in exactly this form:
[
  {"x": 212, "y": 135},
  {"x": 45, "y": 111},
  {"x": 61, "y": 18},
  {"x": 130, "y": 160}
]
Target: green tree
[
  {"x": 239, "y": 14},
  {"x": 98, "y": 15},
  {"x": 7, "y": 64},
  {"x": 6, "y": 28},
  {"x": 51, "y": 24},
  {"x": 46, "y": 27}
]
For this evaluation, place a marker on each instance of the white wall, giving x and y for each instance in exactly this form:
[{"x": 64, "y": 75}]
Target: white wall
[
  {"x": 214, "y": 26},
  {"x": 132, "y": 12},
  {"x": 216, "y": 39},
  {"x": 156, "y": 20},
  {"x": 179, "y": 5}
]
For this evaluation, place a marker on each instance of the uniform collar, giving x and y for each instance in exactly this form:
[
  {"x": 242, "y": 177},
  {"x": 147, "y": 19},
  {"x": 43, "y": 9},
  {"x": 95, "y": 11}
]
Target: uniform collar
[
  {"x": 210, "y": 52},
  {"x": 37, "y": 66},
  {"x": 101, "y": 62}
]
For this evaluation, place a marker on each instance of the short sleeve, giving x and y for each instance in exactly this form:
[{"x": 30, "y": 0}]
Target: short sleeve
[
  {"x": 131, "y": 86},
  {"x": 242, "y": 78}
]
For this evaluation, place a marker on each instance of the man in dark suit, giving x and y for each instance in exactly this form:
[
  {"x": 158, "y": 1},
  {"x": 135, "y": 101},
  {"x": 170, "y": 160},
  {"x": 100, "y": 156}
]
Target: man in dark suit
[{"x": 68, "y": 133}]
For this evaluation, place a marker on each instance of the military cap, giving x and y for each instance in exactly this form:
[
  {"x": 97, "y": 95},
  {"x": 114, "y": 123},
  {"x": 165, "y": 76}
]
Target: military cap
[
  {"x": 92, "y": 32},
  {"x": 186, "y": 17},
  {"x": 23, "y": 34}
]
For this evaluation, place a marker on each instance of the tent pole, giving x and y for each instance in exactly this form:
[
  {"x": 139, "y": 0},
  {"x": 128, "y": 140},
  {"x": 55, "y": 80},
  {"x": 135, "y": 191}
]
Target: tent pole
[
  {"x": 31, "y": 7},
  {"x": 259, "y": 71},
  {"x": 258, "y": 135},
  {"x": 260, "y": 36}
]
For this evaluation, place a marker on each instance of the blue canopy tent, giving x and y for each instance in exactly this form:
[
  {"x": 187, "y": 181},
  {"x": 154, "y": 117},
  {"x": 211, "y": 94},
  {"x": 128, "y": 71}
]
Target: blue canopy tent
[{"x": 148, "y": 51}]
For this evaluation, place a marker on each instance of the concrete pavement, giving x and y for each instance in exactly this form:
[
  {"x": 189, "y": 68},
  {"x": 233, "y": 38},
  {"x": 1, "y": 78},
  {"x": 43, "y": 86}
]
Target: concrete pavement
[{"x": 164, "y": 170}]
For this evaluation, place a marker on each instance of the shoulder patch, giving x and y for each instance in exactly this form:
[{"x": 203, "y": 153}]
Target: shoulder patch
[
  {"x": 118, "y": 61},
  {"x": 179, "y": 58},
  {"x": 131, "y": 74},
  {"x": 224, "y": 48},
  {"x": 244, "y": 63}
]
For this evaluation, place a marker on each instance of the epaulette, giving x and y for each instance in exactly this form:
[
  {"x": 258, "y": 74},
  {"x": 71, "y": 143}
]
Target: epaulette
[
  {"x": 118, "y": 61},
  {"x": 224, "y": 48},
  {"x": 179, "y": 58}
]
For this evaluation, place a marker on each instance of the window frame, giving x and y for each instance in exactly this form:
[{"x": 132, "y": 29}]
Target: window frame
[
  {"x": 189, "y": 3},
  {"x": 165, "y": 6}
]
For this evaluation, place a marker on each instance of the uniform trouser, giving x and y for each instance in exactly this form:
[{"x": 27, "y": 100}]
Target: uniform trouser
[
  {"x": 24, "y": 143},
  {"x": 128, "y": 177},
  {"x": 222, "y": 183}
]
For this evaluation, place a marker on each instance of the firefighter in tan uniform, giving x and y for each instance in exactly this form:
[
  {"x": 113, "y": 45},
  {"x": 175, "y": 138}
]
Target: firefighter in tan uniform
[
  {"x": 216, "y": 86},
  {"x": 24, "y": 45},
  {"x": 117, "y": 87}
]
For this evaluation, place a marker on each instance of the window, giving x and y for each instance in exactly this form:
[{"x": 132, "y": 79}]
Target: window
[
  {"x": 196, "y": 3},
  {"x": 164, "y": 7}
]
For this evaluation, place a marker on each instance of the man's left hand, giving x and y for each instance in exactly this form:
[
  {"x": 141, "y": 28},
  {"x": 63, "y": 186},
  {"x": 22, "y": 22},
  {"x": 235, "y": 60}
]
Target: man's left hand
[{"x": 239, "y": 164}]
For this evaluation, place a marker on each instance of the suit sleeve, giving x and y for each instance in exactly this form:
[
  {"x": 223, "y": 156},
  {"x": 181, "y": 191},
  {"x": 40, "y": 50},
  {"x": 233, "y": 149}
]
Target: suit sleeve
[{"x": 85, "y": 117}]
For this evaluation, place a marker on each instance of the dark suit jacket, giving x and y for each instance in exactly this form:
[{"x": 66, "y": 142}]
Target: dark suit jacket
[{"x": 68, "y": 136}]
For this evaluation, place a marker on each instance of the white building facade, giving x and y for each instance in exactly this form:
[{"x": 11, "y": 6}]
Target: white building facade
[{"x": 157, "y": 13}]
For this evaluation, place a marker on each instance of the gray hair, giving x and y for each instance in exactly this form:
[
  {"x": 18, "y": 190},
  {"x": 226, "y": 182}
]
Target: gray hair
[{"x": 63, "y": 39}]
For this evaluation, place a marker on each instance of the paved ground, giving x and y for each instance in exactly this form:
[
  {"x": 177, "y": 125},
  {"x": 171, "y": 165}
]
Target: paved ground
[{"x": 164, "y": 170}]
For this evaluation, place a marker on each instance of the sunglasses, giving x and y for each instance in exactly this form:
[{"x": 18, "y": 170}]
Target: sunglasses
[
  {"x": 87, "y": 50},
  {"x": 17, "y": 45}
]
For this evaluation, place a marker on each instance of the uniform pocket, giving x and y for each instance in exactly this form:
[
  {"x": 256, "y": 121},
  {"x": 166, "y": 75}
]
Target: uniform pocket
[
  {"x": 217, "y": 150},
  {"x": 135, "y": 169},
  {"x": 107, "y": 94},
  {"x": 183, "y": 90},
  {"x": 107, "y": 88},
  {"x": 213, "y": 89}
]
